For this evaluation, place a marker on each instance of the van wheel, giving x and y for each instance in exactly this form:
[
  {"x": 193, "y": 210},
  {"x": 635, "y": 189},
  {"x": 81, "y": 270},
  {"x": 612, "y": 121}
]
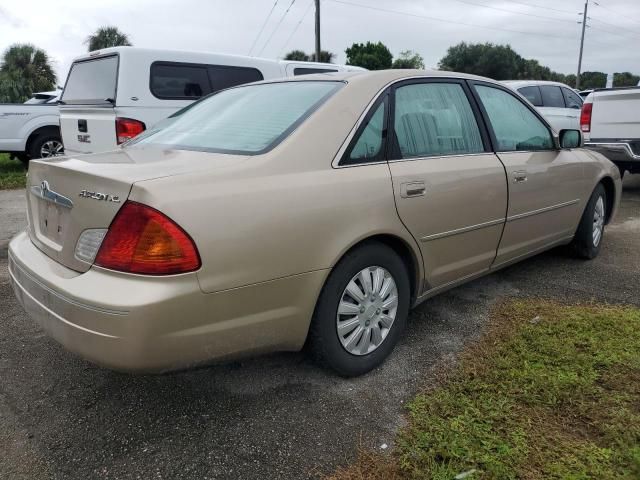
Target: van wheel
[
  {"x": 588, "y": 238},
  {"x": 362, "y": 310},
  {"x": 46, "y": 146}
]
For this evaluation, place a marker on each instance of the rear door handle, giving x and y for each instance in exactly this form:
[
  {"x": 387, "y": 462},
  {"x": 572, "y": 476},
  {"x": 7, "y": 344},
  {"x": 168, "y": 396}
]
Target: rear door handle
[
  {"x": 520, "y": 176},
  {"x": 412, "y": 189}
]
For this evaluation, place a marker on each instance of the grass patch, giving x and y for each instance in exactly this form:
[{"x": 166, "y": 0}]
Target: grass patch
[
  {"x": 12, "y": 173},
  {"x": 551, "y": 391}
]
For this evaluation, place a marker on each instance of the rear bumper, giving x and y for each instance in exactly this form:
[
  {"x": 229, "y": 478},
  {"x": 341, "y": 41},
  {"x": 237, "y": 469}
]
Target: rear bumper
[
  {"x": 139, "y": 323},
  {"x": 616, "y": 151}
]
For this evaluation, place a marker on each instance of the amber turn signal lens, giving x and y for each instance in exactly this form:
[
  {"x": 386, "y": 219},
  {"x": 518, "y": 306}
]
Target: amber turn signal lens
[{"x": 144, "y": 240}]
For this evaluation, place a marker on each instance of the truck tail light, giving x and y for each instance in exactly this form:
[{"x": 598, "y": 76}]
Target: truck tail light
[
  {"x": 127, "y": 128},
  {"x": 585, "y": 117},
  {"x": 142, "y": 240}
]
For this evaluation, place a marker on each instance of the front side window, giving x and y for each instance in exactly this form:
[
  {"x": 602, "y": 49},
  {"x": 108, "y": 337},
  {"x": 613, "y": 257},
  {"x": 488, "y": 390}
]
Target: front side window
[
  {"x": 176, "y": 81},
  {"x": 514, "y": 125},
  {"x": 246, "y": 120},
  {"x": 532, "y": 94},
  {"x": 435, "y": 119},
  {"x": 552, "y": 96},
  {"x": 572, "y": 99}
]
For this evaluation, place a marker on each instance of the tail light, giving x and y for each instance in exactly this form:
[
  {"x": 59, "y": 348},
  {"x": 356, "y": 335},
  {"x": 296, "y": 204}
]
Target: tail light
[
  {"x": 585, "y": 117},
  {"x": 143, "y": 240},
  {"x": 127, "y": 128}
]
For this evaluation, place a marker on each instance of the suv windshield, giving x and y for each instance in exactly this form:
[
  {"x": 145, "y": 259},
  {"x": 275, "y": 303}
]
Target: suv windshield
[
  {"x": 92, "y": 81},
  {"x": 249, "y": 119}
]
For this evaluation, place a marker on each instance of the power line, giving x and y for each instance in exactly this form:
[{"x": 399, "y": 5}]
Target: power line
[
  {"x": 262, "y": 28},
  {"x": 436, "y": 19},
  {"x": 544, "y": 7},
  {"x": 614, "y": 26},
  {"x": 625, "y": 35},
  {"x": 306, "y": 12},
  {"x": 626, "y": 17},
  {"x": 515, "y": 12},
  {"x": 277, "y": 27}
]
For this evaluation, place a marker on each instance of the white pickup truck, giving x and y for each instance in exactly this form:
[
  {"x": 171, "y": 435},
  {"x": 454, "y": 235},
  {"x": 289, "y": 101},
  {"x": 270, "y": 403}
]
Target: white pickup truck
[
  {"x": 31, "y": 129},
  {"x": 610, "y": 123}
]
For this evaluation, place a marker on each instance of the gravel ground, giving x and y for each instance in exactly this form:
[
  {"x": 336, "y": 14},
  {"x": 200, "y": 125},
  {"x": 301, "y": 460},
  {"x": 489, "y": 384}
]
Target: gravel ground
[{"x": 271, "y": 417}]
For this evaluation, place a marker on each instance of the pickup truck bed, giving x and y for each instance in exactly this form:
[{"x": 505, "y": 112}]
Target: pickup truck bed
[{"x": 610, "y": 122}]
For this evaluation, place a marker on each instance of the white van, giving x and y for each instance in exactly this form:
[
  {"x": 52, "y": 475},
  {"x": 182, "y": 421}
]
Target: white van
[{"x": 114, "y": 94}]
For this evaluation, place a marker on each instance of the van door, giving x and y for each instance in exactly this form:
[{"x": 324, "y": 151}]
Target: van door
[
  {"x": 87, "y": 108},
  {"x": 450, "y": 189}
]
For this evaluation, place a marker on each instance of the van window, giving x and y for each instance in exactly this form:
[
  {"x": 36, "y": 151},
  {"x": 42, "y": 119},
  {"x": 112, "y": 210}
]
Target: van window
[
  {"x": 247, "y": 120},
  {"x": 532, "y": 94},
  {"x": 92, "y": 82},
  {"x": 179, "y": 81},
  {"x": 308, "y": 71},
  {"x": 552, "y": 96},
  {"x": 223, "y": 76}
]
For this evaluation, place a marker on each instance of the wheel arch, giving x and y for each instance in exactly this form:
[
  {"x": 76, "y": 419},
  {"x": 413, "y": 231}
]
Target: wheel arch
[
  {"x": 610, "y": 189},
  {"x": 47, "y": 129}
]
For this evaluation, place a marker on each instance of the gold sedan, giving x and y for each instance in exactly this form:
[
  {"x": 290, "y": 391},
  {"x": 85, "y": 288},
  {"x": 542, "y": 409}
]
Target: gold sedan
[{"x": 312, "y": 211}]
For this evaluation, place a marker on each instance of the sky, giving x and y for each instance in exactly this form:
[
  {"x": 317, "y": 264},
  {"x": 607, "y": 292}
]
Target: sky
[{"x": 546, "y": 30}]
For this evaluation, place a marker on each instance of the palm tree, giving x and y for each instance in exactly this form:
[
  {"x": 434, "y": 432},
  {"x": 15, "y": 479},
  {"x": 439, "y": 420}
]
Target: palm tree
[
  {"x": 25, "y": 69},
  {"x": 105, "y": 37},
  {"x": 297, "y": 55}
]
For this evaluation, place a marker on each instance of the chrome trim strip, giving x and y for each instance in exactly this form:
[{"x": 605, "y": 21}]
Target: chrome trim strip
[
  {"x": 45, "y": 193},
  {"x": 623, "y": 147},
  {"x": 542, "y": 210},
  {"x": 15, "y": 264},
  {"x": 457, "y": 231}
]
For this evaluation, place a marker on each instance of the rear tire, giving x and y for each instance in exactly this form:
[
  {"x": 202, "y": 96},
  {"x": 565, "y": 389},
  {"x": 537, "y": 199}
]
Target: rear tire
[
  {"x": 355, "y": 342},
  {"x": 46, "y": 145},
  {"x": 588, "y": 239}
]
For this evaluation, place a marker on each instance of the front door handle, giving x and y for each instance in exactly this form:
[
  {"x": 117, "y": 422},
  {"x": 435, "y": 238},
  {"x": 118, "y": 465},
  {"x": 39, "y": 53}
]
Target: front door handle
[
  {"x": 412, "y": 189},
  {"x": 520, "y": 176}
]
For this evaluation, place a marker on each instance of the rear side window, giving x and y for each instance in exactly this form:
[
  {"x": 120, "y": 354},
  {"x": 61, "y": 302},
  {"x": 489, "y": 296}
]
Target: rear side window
[
  {"x": 92, "y": 82},
  {"x": 532, "y": 94},
  {"x": 177, "y": 81},
  {"x": 514, "y": 125},
  {"x": 572, "y": 99},
  {"x": 368, "y": 147},
  {"x": 225, "y": 76},
  {"x": 552, "y": 96},
  {"x": 245, "y": 120},
  {"x": 308, "y": 71},
  {"x": 435, "y": 119}
]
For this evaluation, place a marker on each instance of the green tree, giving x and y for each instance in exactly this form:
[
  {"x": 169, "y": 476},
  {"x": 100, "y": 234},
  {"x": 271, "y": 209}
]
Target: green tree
[
  {"x": 325, "y": 56},
  {"x": 297, "y": 55},
  {"x": 625, "y": 79},
  {"x": 409, "y": 59},
  {"x": 499, "y": 62},
  {"x": 590, "y": 80},
  {"x": 372, "y": 56},
  {"x": 105, "y": 37},
  {"x": 25, "y": 69}
]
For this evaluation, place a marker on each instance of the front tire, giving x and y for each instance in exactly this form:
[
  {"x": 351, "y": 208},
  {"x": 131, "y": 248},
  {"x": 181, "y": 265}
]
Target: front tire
[
  {"x": 362, "y": 310},
  {"x": 588, "y": 238}
]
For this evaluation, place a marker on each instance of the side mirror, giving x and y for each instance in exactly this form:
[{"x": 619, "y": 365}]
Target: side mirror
[{"x": 570, "y": 139}]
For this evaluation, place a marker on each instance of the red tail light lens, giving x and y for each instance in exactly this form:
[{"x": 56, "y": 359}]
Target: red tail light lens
[
  {"x": 143, "y": 240},
  {"x": 127, "y": 128},
  {"x": 585, "y": 117}
]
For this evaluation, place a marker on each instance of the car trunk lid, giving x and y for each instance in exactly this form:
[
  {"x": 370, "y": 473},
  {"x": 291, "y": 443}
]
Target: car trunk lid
[{"x": 70, "y": 195}]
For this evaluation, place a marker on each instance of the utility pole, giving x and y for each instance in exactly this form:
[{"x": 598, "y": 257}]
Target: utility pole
[
  {"x": 584, "y": 27},
  {"x": 318, "y": 30}
]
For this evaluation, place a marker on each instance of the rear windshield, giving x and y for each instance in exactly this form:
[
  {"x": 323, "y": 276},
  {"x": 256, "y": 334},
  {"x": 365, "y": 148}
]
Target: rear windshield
[
  {"x": 92, "y": 82},
  {"x": 245, "y": 120}
]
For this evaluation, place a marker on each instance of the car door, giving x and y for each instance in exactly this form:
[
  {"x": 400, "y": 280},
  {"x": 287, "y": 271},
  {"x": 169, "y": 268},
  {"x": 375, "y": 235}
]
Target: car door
[
  {"x": 450, "y": 189},
  {"x": 554, "y": 109},
  {"x": 545, "y": 182},
  {"x": 573, "y": 101}
]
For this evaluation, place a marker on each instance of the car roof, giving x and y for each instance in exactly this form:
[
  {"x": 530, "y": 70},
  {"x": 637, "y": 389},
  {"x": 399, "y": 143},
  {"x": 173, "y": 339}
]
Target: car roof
[{"x": 533, "y": 83}]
